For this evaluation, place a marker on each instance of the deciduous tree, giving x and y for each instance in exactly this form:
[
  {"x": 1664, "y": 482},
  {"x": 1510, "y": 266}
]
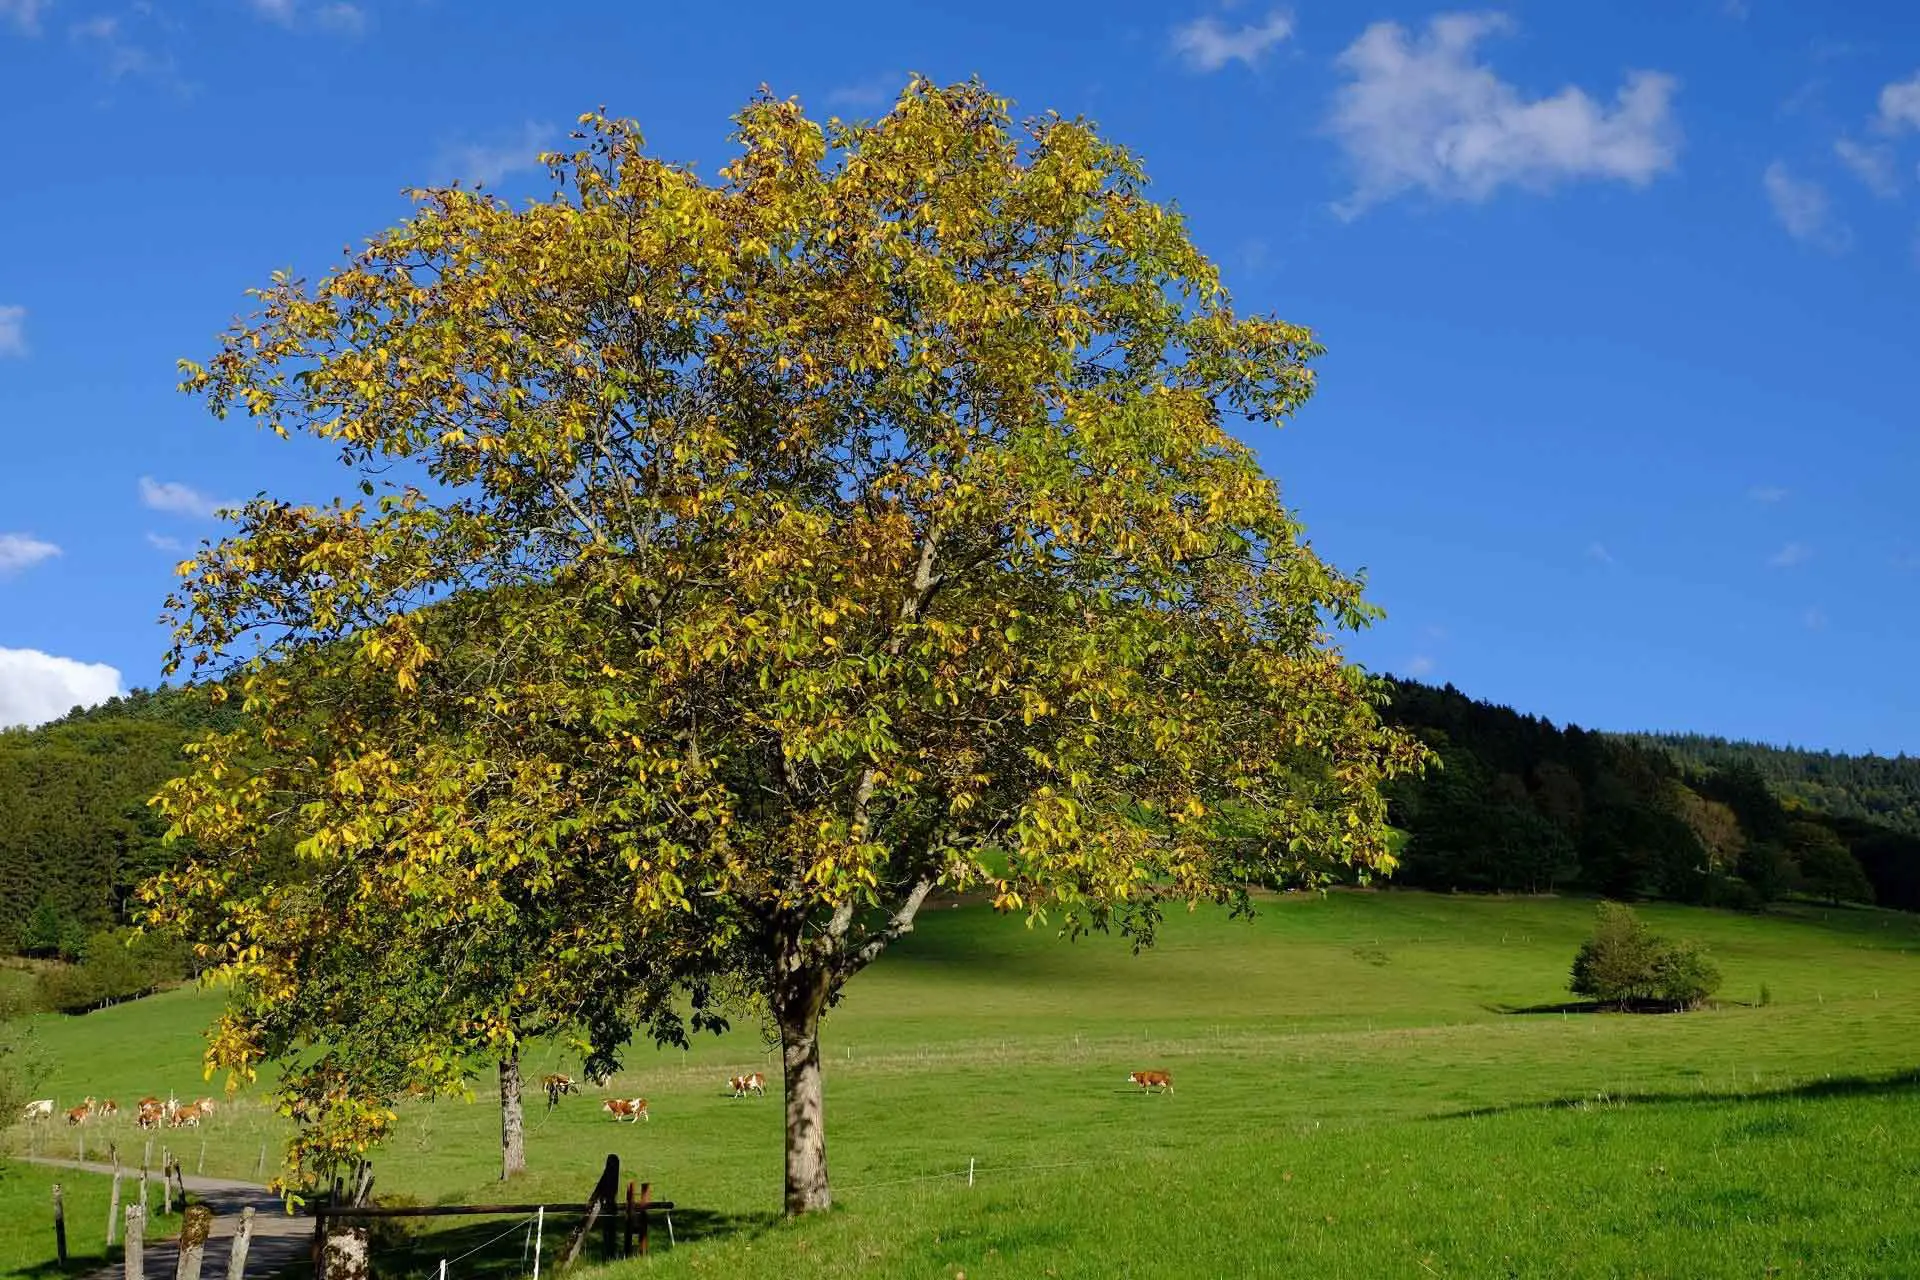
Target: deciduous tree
[{"x": 739, "y": 561}]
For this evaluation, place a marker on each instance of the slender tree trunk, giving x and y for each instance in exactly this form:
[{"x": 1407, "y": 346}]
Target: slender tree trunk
[
  {"x": 513, "y": 1122},
  {"x": 799, "y": 1018}
]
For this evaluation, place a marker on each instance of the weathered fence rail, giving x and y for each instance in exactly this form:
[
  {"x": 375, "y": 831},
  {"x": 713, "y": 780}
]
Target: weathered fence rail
[{"x": 603, "y": 1207}]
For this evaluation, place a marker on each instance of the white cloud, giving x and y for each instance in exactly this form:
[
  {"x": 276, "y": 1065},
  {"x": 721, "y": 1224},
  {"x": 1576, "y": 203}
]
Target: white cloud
[
  {"x": 1421, "y": 665},
  {"x": 1208, "y": 44},
  {"x": 1421, "y": 113},
  {"x": 1900, "y": 105},
  {"x": 19, "y": 550},
  {"x": 1768, "y": 493},
  {"x": 165, "y": 543},
  {"x": 23, "y": 14},
  {"x": 180, "y": 499},
  {"x": 1791, "y": 556},
  {"x": 36, "y": 687},
  {"x": 875, "y": 91},
  {"x": 1598, "y": 551},
  {"x": 280, "y": 11},
  {"x": 1873, "y": 165},
  {"x": 1803, "y": 209},
  {"x": 486, "y": 163},
  {"x": 13, "y": 331}
]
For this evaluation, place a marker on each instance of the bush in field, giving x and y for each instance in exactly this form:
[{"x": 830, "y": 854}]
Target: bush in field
[
  {"x": 1623, "y": 963},
  {"x": 115, "y": 965}
]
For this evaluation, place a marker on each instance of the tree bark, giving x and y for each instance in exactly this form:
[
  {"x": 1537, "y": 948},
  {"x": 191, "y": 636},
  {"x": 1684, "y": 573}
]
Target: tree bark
[
  {"x": 513, "y": 1122},
  {"x": 799, "y": 1017}
]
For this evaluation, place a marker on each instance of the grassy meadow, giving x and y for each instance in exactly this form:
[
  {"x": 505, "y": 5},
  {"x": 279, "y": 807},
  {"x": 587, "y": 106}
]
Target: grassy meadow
[{"x": 1356, "y": 1095}]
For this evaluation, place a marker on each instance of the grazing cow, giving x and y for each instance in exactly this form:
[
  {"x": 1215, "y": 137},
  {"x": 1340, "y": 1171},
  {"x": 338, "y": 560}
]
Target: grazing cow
[
  {"x": 205, "y": 1105},
  {"x": 108, "y": 1108},
  {"x": 632, "y": 1110},
  {"x": 557, "y": 1087},
  {"x": 185, "y": 1117},
  {"x": 744, "y": 1085},
  {"x": 78, "y": 1115},
  {"x": 152, "y": 1112},
  {"x": 1151, "y": 1080},
  {"x": 38, "y": 1109}
]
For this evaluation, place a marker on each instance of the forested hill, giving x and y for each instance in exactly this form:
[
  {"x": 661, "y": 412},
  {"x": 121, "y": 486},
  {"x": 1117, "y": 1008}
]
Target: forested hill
[
  {"x": 76, "y": 835},
  {"x": 1520, "y": 804},
  {"x": 1877, "y": 789}
]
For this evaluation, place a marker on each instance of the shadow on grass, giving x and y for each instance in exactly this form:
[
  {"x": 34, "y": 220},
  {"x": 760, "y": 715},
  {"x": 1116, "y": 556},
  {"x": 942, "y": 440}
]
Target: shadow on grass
[
  {"x": 1832, "y": 1087},
  {"x": 1593, "y": 1006},
  {"x": 499, "y": 1249}
]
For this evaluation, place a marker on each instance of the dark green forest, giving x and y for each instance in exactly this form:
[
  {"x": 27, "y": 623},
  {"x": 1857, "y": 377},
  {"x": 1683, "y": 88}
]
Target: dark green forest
[
  {"x": 1517, "y": 805},
  {"x": 1522, "y": 805}
]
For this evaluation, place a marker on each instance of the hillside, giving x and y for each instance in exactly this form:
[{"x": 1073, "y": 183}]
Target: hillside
[
  {"x": 1519, "y": 804},
  {"x": 1884, "y": 790}
]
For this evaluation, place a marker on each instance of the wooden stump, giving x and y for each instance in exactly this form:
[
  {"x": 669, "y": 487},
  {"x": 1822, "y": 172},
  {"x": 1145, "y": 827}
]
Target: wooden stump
[
  {"x": 194, "y": 1230},
  {"x": 242, "y": 1237},
  {"x": 346, "y": 1254},
  {"x": 59, "y": 1227},
  {"x": 136, "y": 1242}
]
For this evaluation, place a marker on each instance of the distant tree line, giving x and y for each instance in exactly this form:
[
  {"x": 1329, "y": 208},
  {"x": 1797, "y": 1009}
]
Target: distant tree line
[
  {"x": 1522, "y": 805},
  {"x": 1518, "y": 805}
]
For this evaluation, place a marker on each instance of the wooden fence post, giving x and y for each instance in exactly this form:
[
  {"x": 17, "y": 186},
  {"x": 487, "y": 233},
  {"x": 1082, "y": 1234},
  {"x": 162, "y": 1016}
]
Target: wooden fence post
[
  {"x": 646, "y": 1198},
  {"x": 59, "y": 1227},
  {"x": 627, "y": 1245},
  {"x": 143, "y": 1190},
  {"x": 194, "y": 1230},
  {"x": 166, "y": 1185},
  {"x": 113, "y": 1208},
  {"x": 319, "y": 1242},
  {"x": 602, "y": 1199},
  {"x": 136, "y": 1242},
  {"x": 242, "y": 1237}
]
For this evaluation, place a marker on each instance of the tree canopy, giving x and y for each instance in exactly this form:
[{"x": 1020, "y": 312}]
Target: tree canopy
[{"x": 737, "y": 561}]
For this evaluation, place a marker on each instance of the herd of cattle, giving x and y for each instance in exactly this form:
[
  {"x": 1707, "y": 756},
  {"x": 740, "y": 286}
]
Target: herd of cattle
[
  {"x": 634, "y": 1110},
  {"x": 174, "y": 1114},
  {"x": 152, "y": 1113}
]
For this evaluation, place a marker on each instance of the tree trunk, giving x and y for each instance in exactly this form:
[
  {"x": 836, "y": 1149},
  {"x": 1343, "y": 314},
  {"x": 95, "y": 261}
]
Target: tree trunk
[
  {"x": 513, "y": 1123},
  {"x": 799, "y": 1018}
]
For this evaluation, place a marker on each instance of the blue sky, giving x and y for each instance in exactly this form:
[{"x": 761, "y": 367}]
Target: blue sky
[{"x": 1622, "y": 302}]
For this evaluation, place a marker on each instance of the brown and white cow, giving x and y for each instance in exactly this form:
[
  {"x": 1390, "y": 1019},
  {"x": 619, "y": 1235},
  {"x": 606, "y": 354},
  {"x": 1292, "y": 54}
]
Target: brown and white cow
[
  {"x": 558, "y": 1087},
  {"x": 38, "y": 1109},
  {"x": 152, "y": 1111},
  {"x": 78, "y": 1115},
  {"x": 633, "y": 1110},
  {"x": 205, "y": 1105},
  {"x": 1151, "y": 1080},
  {"x": 744, "y": 1085},
  {"x": 108, "y": 1108},
  {"x": 186, "y": 1117}
]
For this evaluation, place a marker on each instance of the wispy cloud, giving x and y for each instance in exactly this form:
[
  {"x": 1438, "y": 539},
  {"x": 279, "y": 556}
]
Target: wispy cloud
[
  {"x": 1873, "y": 165},
  {"x": 1767, "y": 493},
  {"x": 1420, "y": 665},
  {"x": 1423, "y": 113},
  {"x": 487, "y": 163},
  {"x": 1208, "y": 44},
  {"x": 1791, "y": 556},
  {"x": 1802, "y": 207},
  {"x": 36, "y": 687},
  {"x": 13, "y": 331},
  {"x": 1598, "y": 551},
  {"x": 341, "y": 19},
  {"x": 1900, "y": 105},
  {"x": 164, "y": 543},
  {"x": 280, "y": 11},
  {"x": 180, "y": 499},
  {"x": 23, "y": 15},
  {"x": 122, "y": 52},
  {"x": 878, "y": 90},
  {"x": 20, "y": 550}
]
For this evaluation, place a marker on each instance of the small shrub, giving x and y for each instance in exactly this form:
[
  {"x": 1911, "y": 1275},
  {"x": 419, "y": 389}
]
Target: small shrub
[
  {"x": 1766, "y": 995},
  {"x": 1623, "y": 963}
]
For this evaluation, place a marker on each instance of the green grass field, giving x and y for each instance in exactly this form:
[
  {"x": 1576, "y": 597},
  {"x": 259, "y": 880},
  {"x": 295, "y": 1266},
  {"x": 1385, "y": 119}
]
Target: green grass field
[{"x": 1354, "y": 1098}]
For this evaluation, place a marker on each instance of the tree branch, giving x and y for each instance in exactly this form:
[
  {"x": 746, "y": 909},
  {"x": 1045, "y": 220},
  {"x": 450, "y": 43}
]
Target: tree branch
[{"x": 899, "y": 925}]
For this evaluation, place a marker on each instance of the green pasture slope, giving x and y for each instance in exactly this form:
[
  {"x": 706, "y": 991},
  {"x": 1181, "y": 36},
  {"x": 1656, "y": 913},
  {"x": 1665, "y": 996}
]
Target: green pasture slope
[{"x": 1354, "y": 1097}]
